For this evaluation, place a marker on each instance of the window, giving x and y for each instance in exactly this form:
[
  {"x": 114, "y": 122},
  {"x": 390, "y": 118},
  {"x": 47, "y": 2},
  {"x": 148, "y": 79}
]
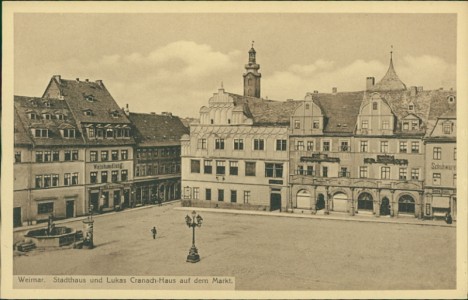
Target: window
[
  {"x": 212, "y": 121},
  {"x": 300, "y": 145},
  {"x": 55, "y": 155},
  {"x": 115, "y": 154},
  {"x": 115, "y": 176},
  {"x": 250, "y": 167},
  {"x": 447, "y": 128},
  {"x": 233, "y": 168},
  {"x": 280, "y": 145},
  {"x": 310, "y": 170},
  {"x": 208, "y": 194},
  {"x": 238, "y": 144},
  {"x": 99, "y": 133},
  {"x": 363, "y": 172},
  {"x": 194, "y": 166},
  {"x": 38, "y": 181},
  {"x": 385, "y": 173},
  {"x": 233, "y": 196},
  {"x": 324, "y": 171},
  {"x": 273, "y": 170},
  {"x": 46, "y": 116},
  {"x": 17, "y": 156},
  {"x": 33, "y": 116},
  {"x": 220, "y": 167},
  {"x": 344, "y": 147},
  {"x": 437, "y": 153},
  {"x": 104, "y": 155},
  {"x": 68, "y": 133},
  {"x": 365, "y": 124},
  {"x": 246, "y": 196},
  {"x": 455, "y": 180},
  {"x": 307, "y": 106},
  {"x": 201, "y": 143},
  {"x": 436, "y": 179},
  {"x": 41, "y": 133},
  {"x": 414, "y": 125},
  {"x": 55, "y": 180},
  {"x": 208, "y": 167},
  {"x": 47, "y": 181},
  {"x": 364, "y": 146},
  {"x": 93, "y": 177},
  {"x": 88, "y": 112},
  {"x": 402, "y": 173},
  {"x": 403, "y": 147},
  {"x": 415, "y": 147},
  {"x": 196, "y": 193},
  {"x": 455, "y": 153},
  {"x": 124, "y": 175},
  {"x": 74, "y": 154},
  {"x": 405, "y": 125},
  {"x": 74, "y": 179},
  {"x": 374, "y": 106},
  {"x": 385, "y": 124},
  {"x": 93, "y": 155},
  {"x": 343, "y": 172},
  {"x": 220, "y": 195},
  {"x": 297, "y": 124},
  {"x": 326, "y": 146},
  {"x": 415, "y": 174},
  {"x": 300, "y": 170},
  {"x": 124, "y": 154},
  {"x": 219, "y": 144},
  {"x": 411, "y": 107},
  {"x": 310, "y": 146},
  {"x": 103, "y": 176},
  {"x": 67, "y": 179},
  {"x": 47, "y": 156},
  {"x": 384, "y": 146},
  {"x": 91, "y": 132},
  {"x": 39, "y": 156},
  {"x": 109, "y": 133},
  {"x": 316, "y": 125},
  {"x": 45, "y": 208},
  {"x": 259, "y": 144}
]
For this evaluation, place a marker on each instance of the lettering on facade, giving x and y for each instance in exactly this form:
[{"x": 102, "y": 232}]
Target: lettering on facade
[
  {"x": 319, "y": 157},
  {"x": 273, "y": 181},
  {"x": 442, "y": 166},
  {"x": 108, "y": 166},
  {"x": 386, "y": 159}
]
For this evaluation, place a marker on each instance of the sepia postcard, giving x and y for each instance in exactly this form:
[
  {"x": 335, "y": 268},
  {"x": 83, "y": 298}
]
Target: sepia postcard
[{"x": 234, "y": 150}]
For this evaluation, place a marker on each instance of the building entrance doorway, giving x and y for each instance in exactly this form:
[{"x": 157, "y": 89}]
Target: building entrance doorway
[
  {"x": 17, "y": 217},
  {"x": 320, "y": 202},
  {"x": 94, "y": 201},
  {"x": 365, "y": 202},
  {"x": 303, "y": 199},
  {"x": 70, "y": 209},
  {"x": 385, "y": 207},
  {"x": 406, "y": 204},
  {"x": 275, "y": 201},
  {"x": 126, "y": 198}
]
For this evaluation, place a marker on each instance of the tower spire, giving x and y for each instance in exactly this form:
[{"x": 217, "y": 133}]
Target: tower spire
[{"x": 251, "y": 75}]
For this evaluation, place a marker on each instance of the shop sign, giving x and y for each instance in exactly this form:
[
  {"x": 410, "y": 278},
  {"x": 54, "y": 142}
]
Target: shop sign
[
  {"x": 108, "y": 166},
  {"x": 442, "y": 166}
]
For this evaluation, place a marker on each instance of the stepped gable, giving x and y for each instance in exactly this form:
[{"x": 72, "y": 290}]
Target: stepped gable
[
  {"x": 340, "y": 110},
  {"x": 266, "y": 112},
  {"x": 390, "y": 82},
  {"x": 157, "y": 130},
  {"x": 93, "y": 96},
  {"x": 26, "y": 105}
]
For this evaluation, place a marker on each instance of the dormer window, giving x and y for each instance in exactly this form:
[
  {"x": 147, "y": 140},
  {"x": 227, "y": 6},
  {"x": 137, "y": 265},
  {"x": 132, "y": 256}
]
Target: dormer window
[
  {"x": 68, "y": 133},
  {"x": 405, "y": 125},
  {"x": 88, "y": 112},
  {"x": 46, "y": 103},
  {"x": 109, "y": 133},
  {"x": 33, "y": 116},
  {"x": 307, "y": 106},
  {"x": 411, "y": 107},
  {"x": 414, "y": 125},
  {"x": 374, "y": 105},
  {"x": 447, "y": 127},
  {"x": 90, "y": 98},
  {"x": 115, "y": 114},
  {"x": 46, "y": 116},
  {"x": 41, "y": 133},
  {"x": 451, "y": 99},
  {"x": 60, "y": 117},
  {"x": 365, "y": 124},
  {"x": 91, "y": 132}
]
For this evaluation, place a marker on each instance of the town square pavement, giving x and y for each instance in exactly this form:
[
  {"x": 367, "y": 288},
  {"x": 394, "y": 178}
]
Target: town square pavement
[{"x": 261, "y": 252}]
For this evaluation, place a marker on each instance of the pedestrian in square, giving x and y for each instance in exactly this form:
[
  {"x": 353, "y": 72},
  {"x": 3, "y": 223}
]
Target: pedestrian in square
[
  {"x": 448, "y": 218},
  {"x": 154, "y": 231}
]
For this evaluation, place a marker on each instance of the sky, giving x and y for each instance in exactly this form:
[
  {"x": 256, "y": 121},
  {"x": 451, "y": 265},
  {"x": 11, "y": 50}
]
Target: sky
[{"x": 159, "y": 62}]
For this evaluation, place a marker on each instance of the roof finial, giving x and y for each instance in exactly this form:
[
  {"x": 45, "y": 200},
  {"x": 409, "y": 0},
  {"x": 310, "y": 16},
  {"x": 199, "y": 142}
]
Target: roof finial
[
  {"x": 391, "y": 52},
  {"x": 253, "y": 43}
]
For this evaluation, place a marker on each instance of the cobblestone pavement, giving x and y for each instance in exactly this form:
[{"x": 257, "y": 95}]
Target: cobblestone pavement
[{"x": 261, "y": 252}]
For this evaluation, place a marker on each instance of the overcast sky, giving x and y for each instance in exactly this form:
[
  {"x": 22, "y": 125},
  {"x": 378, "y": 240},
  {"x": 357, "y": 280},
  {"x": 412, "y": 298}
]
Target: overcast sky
[{"x": 175, "y": 62}]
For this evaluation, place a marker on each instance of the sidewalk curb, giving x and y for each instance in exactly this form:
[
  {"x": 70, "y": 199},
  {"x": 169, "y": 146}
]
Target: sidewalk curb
[{"x": 310, "y": 216}]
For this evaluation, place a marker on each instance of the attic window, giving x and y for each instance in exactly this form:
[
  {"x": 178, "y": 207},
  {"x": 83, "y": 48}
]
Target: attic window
[
  {"x": 33, "y": 116},
  {"x": 46, "y": 116},
  {"x": 46, "y": 103},
  {"x": 88, "y": 112},
  {"x": 90, "y": 98},
  {"x": 414, "y": 125},
  {"x": 374, "y": 105},
  {"x": 60, "y": 117},
  {"x": 115, "y": 114},
  {"x": 307, "y": 106},
  {"x": 68, "y": 133},
  {"x": 451, "y": 99},
  {"x": 411, "y": 107},
  {"x": 447, "y": 127}
]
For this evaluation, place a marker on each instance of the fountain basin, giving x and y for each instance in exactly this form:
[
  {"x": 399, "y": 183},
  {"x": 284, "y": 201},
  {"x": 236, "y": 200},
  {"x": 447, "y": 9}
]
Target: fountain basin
[{"x": 60, "y": 236}]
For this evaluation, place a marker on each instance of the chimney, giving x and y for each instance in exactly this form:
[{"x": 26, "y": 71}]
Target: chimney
[
  {"x": 99, "y": 82},
  {"x": 126, "y": 110},
  {"x": 87, "y": 80},
  {"x": 420, "y": 88},
  {"x": 77, "y": 79},
  {"x": 414, "y": 91},
  {"x": 152, "y": 113},
  {"x": 58, "y": 78},
  {"x": 315, "y": 92},
  {"x": 370, "y": 83},
  {"x": 334, "y": 90}
]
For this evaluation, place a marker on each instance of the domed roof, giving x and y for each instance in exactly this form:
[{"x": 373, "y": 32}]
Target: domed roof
[{"x": 390, "y": 82}]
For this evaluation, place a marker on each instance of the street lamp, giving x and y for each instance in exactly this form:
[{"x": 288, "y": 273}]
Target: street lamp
[{"x": 194, "y": 221}]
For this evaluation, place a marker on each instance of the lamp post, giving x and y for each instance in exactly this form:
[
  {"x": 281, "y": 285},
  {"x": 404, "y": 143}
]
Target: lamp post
[{"x": 194, "y": 221}]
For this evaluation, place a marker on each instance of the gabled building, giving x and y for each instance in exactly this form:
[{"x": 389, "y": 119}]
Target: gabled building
[
  {"x": 237, "y": 155},
  {"x": 49, "y": 154},
  {"x": 157, "y": 157},
  {"x": 108, "y": 155}
]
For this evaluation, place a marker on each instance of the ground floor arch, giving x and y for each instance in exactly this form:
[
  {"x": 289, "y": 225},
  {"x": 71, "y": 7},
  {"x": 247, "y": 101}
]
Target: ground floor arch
[
  {"x": 303, "y": 198},
  {"x": 340, "y": 202},
  {"x": 365, "y": 202},
  {"x": 406, "y": 204}
]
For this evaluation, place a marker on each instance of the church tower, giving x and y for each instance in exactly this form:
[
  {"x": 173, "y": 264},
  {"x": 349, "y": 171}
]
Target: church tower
[{"x": 251, "y": 76}]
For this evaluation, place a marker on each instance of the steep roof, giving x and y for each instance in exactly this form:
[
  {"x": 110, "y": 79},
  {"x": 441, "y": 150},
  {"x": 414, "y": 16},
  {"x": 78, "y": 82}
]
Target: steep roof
[
  {"x": 91, "y": 96},
  {"x": 266, "y": 112},
  {"x": 340, "y": 110},
  {"x": 21, "y": 135},
  {"x": 157, "y": 130},
  {"x": 390, "y": 82},
  {"x": 40, "y": 106}
]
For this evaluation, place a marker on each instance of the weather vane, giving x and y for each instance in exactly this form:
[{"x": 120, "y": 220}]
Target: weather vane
[{"x": 253, "y": 43}]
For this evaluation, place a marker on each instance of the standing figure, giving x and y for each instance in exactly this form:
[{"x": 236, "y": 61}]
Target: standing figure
[
  {"x": 154, "y": 231},
  {"x": 448, "y": 218}
]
